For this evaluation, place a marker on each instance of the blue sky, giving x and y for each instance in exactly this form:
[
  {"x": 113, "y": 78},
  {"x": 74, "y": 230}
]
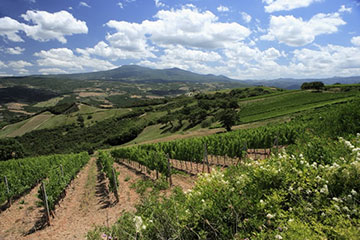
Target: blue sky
[{"x": 247, "y": 39}]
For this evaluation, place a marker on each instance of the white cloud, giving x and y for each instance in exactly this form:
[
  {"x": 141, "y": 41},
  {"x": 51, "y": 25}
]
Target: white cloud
[
  {"x": 188, "y": 59},
  {"x": 51, "y": 71},
  {"x": 286, "y": 5},
  {"x": 114, "y": 52},
  {"x": 120, "y": 5},
  {"x": 15, "y": 50},
  {"x": 44, "y": 26},
  {"x": 186, "y": 27},
  {"x": 65, "y": 59},
  {"x": 297, "y": 32},
  {"x": 222, "y": 8},
  {"x": 2, "y": 65},
  {"x": 327, "y": 61},
  {"x": 49, "y": 26},
  {"x": 10, "y": 28},
  {"x": 159, "y": 4},
  {"x": 356, "y": 41},
  {"x": 246, "y": 17},
  {"x": 84, "y": 4},
  {"x": 19, "y": 64},
  {"x": 191, "y": 28},
  {"x": 345, "y": 9}
]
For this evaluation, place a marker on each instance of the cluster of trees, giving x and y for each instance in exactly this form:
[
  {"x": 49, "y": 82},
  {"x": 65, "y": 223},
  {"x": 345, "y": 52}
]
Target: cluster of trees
[
  {"x": 71, "y": 138},
  {"x": 312, "y": 85}
]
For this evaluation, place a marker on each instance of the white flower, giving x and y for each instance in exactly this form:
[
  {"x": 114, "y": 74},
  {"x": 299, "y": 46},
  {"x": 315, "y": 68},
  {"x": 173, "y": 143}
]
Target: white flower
[
  {"x": 270, "y": 216},
  {"x": 324, "y": 189},
  {"x": 337, "y": 207},
  {"x": 353, "y": 192},
  {"x": 138, "y": 223},
  {"x": 278, "y": 237},
  {"x": 335, "y": 199}
]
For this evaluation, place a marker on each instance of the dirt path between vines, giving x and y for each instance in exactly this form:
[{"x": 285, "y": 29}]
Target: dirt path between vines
[{"x": 87, "y": 204}]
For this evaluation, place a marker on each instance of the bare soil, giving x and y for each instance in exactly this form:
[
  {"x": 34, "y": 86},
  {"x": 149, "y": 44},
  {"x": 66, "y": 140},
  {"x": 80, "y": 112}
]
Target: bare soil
[{"x": 87, "y": 204}]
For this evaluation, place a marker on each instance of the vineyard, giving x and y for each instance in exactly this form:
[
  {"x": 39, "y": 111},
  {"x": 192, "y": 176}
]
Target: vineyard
[{"x": 308, "y": 189}]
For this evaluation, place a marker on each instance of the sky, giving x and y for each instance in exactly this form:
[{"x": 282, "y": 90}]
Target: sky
[{"x": 242, "y": 39}]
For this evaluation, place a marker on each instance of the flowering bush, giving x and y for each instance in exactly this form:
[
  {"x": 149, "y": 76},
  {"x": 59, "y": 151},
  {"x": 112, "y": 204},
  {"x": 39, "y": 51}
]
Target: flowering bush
[{"x": 297, "y": 194}]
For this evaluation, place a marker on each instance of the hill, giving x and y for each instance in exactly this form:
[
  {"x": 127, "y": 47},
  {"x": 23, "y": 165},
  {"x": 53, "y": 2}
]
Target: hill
[
  {"x": 61, "y": 128},
  {"x": 291, "y": 83},
  {"x": 134, "y": 73}
]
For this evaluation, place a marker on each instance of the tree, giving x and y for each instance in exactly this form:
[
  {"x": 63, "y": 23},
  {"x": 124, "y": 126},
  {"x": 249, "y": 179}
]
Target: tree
[
  {"x": 10, "y": 148},
  {"x": 312, "y": 85},
  {"x": 228, "y": 118}
]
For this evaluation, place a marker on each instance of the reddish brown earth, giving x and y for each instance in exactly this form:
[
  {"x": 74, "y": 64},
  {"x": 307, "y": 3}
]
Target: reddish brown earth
[{"x": 87, "y": 204}]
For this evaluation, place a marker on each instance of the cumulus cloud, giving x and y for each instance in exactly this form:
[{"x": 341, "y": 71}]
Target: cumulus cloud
[
  {"x": 44, "y": 26},
  {"x": 49, "y": 26},
  {"x": 246, "y": 17},
  {"x": 14, "y": 51},
  {"x": 356, "y": 41},
  {"x": 345, "y": 9},
  {"x": 188, "y": 59},
  {"x": 65, "y": 59},
  {"x": 327, "y": 61},
  {"x": 159, "y": 4},
  {"x": 19, "y": 64},
  {"x": 222, "y": 8},
  {"x": 191, "y": 28},
  {"x": 10, "y": 28},
  {"x": 286, "y": 5},
  {"x": 120, "y": 5},
  {"x": 84, "y": 4},
  {"x": 297, "y": 32},
  {"x": 186, "y": 27}
]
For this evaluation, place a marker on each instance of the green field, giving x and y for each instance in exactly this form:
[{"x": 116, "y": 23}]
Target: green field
[{"x": 47, "y": 120}]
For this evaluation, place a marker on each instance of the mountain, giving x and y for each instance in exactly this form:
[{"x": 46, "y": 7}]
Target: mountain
[
  {"x": 291, "y": 83},
  {"x": 134, "y": 73}
]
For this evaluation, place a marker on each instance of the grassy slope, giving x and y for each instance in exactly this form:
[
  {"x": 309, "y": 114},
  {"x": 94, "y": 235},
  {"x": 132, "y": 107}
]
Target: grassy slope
[
  {"x": 47, "y": 120},
  {"x": 255, "y": 111}
]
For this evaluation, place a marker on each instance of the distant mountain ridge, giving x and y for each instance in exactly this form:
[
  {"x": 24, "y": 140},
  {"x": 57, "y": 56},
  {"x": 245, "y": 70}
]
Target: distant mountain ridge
[
  {"x": 137, "y": 73},
  {"x": 291, "y": 83}
]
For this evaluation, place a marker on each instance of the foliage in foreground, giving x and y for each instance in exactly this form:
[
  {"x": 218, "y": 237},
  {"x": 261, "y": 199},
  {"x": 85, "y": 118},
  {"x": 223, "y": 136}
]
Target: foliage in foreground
[{"x": 310, "y": 192}]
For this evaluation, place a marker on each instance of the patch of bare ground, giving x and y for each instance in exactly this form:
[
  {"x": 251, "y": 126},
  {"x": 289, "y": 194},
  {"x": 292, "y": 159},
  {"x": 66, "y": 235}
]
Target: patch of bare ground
[
  {"x": 87, "y": 203},
  {"x": 184, "y": 181},
  {"x": 20, "y": 216}
]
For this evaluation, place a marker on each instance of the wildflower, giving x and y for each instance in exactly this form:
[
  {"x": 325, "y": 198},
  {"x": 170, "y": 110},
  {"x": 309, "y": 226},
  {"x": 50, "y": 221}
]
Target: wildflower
[
  {"x": 335, "y": 199},
  {"x": 270, "y": 216},
  {"x": 337, "y": 207},
  {"x": 278, "y": 237},
  {"x": 353, "y": 192},
  {"x": 138, "y": 223}
]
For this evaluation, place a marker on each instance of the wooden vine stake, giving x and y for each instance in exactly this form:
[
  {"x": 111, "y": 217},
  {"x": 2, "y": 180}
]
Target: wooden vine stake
[
  {"x": 115, "y": 185},
  {"x": 206, "y": 160},
  {"x": 46, "y": 203},
  {"x": 169, "y": 170},
  {"x": 8, "y": 191}
]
